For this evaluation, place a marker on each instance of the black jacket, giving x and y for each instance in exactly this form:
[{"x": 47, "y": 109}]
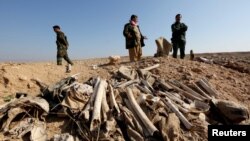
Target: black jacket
[{"x": 178, "y": 32}]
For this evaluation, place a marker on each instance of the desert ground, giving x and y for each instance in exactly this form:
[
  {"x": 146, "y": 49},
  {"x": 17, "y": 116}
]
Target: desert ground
[{"x": 231, "y": 84}]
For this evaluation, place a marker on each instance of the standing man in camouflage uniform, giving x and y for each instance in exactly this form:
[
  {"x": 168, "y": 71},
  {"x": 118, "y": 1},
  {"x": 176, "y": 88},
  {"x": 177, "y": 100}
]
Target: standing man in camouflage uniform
[
  {"x": 178, "y": 36},
  {"x": 134, "y": 39},
  {"x": 62, "y": 46}
]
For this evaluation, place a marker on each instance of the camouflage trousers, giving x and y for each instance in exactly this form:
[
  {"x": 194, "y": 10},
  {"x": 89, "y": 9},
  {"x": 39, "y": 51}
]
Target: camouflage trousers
[
  {"x": 62, "y": 54},
  {"x": 135, "y": 53}
]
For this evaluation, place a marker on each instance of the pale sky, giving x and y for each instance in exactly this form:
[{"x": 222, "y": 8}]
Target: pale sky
[{"x": 94, "y": 28}]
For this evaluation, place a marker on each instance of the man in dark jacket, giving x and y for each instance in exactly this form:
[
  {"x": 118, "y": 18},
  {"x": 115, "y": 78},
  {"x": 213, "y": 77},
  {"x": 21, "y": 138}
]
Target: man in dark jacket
[
  {"x": 62, "y": 46},
  {"x": 178, "y": 36},
  {"x": 134, "y": 39}
]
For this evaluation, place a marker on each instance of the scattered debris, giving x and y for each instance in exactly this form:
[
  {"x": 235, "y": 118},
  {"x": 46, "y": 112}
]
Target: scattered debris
[
  {"x": 8, "y": 98},
  {"x": 202, "y": 59},
  {"x": 29, "y": 113},
  {"x": 128, "y": 73},
  {"x": 94, "y": 67},
  {"x": 23, "y": 78},
  {"x": 225, "y": 63},
  {"x": 135, "y": 104},
  {"x": 230, "y": 111},
  {"x": 163, "y": 47},
  {"x": 68, "y": 68},
  {"x": 114, "y": 60},
  {"x": 63, "y": 137}
]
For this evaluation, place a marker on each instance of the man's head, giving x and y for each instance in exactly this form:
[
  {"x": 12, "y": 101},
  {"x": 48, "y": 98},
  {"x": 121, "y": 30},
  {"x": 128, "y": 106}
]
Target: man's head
[
  {"x": 134, "y": 18},
  {"x": 178, "y": 18},
  {"x": 56, "y": 28}
]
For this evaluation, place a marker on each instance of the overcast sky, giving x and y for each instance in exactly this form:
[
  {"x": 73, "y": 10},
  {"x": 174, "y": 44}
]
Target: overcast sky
[{"x": 94, "y": 27}]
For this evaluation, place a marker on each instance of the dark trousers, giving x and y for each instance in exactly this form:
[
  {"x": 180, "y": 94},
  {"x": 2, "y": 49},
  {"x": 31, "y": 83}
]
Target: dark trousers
[
  {"x": 179, "y": 45},
  {"x": 62, "y": 54}
]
